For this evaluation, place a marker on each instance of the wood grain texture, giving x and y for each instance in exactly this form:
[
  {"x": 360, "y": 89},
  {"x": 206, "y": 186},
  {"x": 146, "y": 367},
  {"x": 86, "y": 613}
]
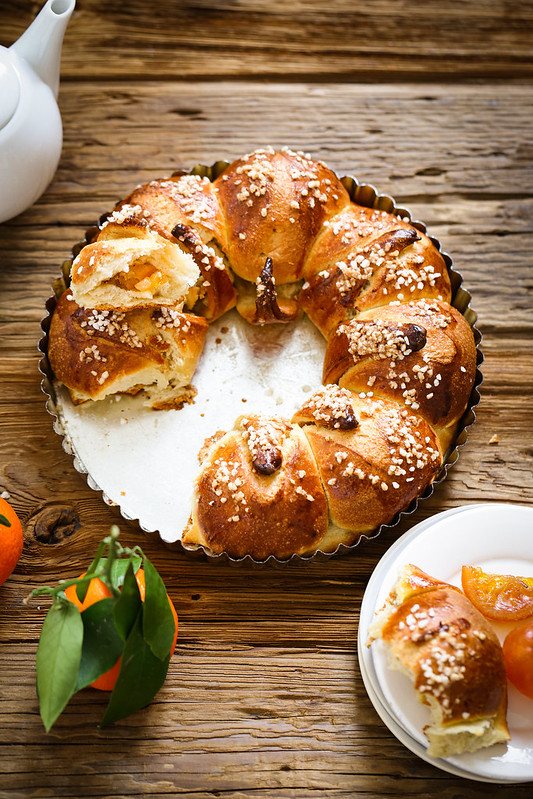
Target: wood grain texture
[
  {"x": 470, "y": 178},
  {"x": 339, "y": 40},
  {"x": 431, "y": 103}
]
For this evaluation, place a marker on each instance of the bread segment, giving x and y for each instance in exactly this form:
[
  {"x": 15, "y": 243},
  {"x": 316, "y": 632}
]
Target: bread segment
[
  {"x": 275, "y": 203},
  {"x": 420, "y": 354},
  {"x": 98, "y": 353},
  {"x": 374, "y": 457},
  {"x": 451, "y": 654},
  {"x": 241, "y": 507},
  {"x": 363, "y": 259}
]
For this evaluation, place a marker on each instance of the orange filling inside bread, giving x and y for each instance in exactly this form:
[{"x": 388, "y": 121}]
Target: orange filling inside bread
[{"x": 141, "y": 276}]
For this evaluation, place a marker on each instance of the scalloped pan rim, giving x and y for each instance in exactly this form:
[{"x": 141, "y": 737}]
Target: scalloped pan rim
[{"x": 363, "y": 194}]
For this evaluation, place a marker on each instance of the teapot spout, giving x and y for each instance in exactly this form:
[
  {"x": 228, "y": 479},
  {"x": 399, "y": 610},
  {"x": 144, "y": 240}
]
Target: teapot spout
[{"x": 40, "y": 44}]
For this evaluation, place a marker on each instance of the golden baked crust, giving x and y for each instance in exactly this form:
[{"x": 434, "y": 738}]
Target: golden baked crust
[
  {"x": 216, "y": 293},
  {"x": 276, "y": 234},
  {"x": 421, "y": 354},
  {"x": 365, "y": 258},
  {"x": 182, "y": 199},
  {"x": 275, "y": 204},
  {"x": 98, "y": 353},
  {"x": 374, "y": 457},
  {"x": 259, "y": 493},
  {"x": 434, "y": 634}
]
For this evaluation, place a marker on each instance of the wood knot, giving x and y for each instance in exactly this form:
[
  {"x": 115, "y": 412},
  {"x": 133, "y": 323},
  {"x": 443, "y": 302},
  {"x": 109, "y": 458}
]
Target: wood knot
[{"x": 53, "y": 523}]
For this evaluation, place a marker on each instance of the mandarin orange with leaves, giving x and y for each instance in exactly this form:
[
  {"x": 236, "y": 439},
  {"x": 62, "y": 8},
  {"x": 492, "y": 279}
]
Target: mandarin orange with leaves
[
  {"x": 11, "y": 540},
  {"x": 119, "y": 610},
  {"x": 499, "y": 597},
  {"x": 98, "y": 590}
]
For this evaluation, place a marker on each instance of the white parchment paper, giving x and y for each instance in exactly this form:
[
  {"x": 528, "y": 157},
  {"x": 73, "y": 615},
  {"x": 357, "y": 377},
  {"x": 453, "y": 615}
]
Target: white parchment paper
[{"x": 145, "y": 461}]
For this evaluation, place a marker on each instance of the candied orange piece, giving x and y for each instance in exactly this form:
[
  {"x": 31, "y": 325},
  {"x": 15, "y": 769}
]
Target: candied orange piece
[
  {"x": 152, "y": 282},
  {"x": 500, "y": 597},
  {"x": 140, "y": 276}
]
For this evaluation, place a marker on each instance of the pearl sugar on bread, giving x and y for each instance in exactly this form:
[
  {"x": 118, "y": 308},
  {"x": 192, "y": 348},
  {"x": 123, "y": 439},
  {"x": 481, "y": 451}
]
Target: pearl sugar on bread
[
  {"x": 449, "y": 651},
  {"x": 276, "y": 235}
]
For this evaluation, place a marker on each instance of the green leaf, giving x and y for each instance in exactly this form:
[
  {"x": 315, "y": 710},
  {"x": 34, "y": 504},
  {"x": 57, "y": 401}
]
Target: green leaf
[
  {"x": 4, "y": 521},
  {"x": 140, "y": 678},
  {"x": 102, "y": 645},
  {"x": 128, "y": 604},
  {"x": 120, "y": 567},
  {"x": 117, "y": 572},
  {"x": 81, "y": 590},
  {"x": 58, "y": 660},
  {"x": 158, "y": 621}
]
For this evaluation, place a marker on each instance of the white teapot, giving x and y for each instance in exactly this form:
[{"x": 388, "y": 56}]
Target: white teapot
[{"x": 31, "y": 134}]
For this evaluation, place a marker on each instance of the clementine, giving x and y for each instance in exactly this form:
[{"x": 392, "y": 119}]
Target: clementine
[
  {"x": 98, "y": 590},
  {"x": 11, "y": 540},
  {"x": 518, "y": 654}
]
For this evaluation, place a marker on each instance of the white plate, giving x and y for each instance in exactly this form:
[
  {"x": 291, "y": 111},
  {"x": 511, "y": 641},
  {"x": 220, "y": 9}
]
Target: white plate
[{"x": 497, "y": 537}]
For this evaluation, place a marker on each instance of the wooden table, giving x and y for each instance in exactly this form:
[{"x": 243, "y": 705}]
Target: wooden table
[{"x": 432, "y": 103}]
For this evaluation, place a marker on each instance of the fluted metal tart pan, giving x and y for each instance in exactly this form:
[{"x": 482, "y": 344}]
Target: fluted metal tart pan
[{"x": 69, "y": 421}]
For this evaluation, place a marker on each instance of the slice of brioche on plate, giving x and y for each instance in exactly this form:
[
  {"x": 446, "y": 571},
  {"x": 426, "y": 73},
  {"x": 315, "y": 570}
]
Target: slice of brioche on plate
[{"x": 434, "y": 635}]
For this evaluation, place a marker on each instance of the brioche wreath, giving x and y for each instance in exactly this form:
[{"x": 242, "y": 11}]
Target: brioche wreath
[{"x": 277, "y": 234}]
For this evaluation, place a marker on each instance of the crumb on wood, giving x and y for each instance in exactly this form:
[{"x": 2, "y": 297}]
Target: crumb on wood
[{"x": 494, "y": 439}]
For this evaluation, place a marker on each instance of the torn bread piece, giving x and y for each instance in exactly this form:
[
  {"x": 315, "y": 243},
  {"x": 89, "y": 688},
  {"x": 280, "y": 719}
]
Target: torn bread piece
[
  {"x": 133, "y": 272},
  {"x": 99, "y": 353},
  {"x": 434, "y": 635}
]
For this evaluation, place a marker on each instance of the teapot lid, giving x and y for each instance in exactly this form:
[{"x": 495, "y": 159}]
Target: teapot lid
[{"x": 9, "y": 89}]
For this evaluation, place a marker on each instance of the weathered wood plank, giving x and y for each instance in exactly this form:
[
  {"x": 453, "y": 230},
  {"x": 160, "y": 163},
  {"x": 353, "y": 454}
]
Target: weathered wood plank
[
  {"x": 292, "y": 728},
  {"x": 309, "y": 37},
  {"x": 460, "y": 140},
  {"x": 264, "y": 696}
]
